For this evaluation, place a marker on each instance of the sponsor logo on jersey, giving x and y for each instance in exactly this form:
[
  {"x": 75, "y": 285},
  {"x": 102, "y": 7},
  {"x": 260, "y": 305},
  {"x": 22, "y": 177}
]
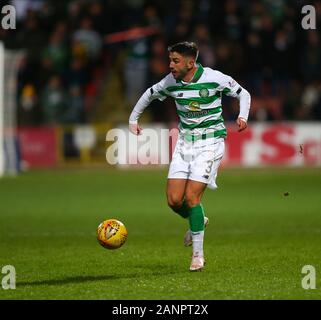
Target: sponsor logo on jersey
[
  {"x": 180, "y": 95},
  {"x": 204, "y": 93},
  {"x": 194, "y": 106},
  {"x": 196, "y": 114}
]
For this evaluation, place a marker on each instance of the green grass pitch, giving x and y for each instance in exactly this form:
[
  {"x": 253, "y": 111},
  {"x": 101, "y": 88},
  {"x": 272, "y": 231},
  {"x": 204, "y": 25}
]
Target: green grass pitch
[{"x": 256, "y": 244}]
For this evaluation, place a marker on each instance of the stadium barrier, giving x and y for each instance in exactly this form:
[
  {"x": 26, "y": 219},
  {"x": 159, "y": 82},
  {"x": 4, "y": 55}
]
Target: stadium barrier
[{"x": 262, "y": 144}]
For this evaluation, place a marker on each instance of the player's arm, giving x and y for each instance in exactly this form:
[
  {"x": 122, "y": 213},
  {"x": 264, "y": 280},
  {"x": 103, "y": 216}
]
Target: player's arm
[
  {"x": 140, "y": 106},
  {"x": 155, "y": 92},
  {"x": 245, "y": 104},
  {"x": 233, "y": 89}
]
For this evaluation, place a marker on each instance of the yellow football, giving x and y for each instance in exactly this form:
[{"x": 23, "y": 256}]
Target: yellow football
[{"x": 112, "y": 234}]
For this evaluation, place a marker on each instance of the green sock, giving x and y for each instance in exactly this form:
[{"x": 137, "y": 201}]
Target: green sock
[
  {"x": 196, "y": 218},
  {"x": 183, "y": 210}
]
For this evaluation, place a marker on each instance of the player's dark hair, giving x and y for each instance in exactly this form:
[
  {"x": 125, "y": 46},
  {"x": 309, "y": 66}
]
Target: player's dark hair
[{"x": 187, "y": 49}]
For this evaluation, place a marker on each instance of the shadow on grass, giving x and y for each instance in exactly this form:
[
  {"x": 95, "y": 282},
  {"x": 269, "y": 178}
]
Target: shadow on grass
[{"x": 162, "y": 271}]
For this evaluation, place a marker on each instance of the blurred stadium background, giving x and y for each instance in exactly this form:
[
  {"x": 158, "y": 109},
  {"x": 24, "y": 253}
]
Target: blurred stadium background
[
  {"x": 76, "y": 68},
  {"x": 72, "y": 70}
]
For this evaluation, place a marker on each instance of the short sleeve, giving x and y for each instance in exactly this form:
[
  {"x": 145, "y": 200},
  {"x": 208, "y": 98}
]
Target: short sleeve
[{"x": 229, "y": 86}]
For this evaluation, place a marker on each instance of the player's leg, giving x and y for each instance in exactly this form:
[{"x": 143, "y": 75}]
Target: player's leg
[
  {"x": 193, "y": 196},
  {"x": 177, "y": 180},
  {"x": 194, "y": 200},
  {"x": 203, "y": 173},
  {"x": 175, "y": 192}
]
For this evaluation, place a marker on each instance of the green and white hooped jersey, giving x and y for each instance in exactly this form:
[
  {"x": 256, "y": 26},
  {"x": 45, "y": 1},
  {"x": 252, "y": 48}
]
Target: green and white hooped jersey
[{"x": 199, "y": 102}]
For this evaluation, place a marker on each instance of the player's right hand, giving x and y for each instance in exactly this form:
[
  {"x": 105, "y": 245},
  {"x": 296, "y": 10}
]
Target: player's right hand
[{"x": 135, "y": 128}]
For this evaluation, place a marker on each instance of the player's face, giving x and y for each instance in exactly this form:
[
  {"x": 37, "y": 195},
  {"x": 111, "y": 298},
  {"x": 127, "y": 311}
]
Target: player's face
[{"x": 180, "y": 65}]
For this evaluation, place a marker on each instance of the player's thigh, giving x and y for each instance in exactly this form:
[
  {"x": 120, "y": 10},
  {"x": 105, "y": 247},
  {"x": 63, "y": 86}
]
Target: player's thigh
[
  {"x": 177, "y": 177},
  {"x": 194, "y": 192},
  {"x": 207, "y": 159},
  {"x": 175, "y": 191}
]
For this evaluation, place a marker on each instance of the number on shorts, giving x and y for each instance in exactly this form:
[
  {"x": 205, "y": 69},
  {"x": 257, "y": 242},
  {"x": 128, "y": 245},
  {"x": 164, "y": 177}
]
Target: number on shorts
[{"x": 210, "y": 165}]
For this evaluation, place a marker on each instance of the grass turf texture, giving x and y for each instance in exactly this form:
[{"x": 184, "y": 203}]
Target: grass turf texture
[{"x": 256, "y": 244}]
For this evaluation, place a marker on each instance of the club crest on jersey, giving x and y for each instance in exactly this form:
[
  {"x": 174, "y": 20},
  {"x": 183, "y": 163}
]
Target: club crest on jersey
[
  {"x": 204, "y": 93},
  {"x": 194, "y": 106}
]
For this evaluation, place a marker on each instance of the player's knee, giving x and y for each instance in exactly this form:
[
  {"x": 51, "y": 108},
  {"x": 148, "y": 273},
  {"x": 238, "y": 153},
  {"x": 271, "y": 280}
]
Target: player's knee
[
  {"x": 174, "y": 201},
  {"x": 192, "y": 200}
]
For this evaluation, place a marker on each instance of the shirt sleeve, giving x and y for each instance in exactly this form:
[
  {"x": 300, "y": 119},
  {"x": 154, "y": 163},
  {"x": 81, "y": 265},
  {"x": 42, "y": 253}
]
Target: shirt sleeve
[
  {"x": 230, "y": 87},
  {"x": 157, "y": 91}
]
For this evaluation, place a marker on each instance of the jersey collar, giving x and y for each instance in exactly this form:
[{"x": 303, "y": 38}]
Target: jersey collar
[{"x": 197, "y": 75}]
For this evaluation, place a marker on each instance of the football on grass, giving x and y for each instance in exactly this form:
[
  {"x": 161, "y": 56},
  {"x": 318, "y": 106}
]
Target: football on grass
[{"x": 111, "y": 234}]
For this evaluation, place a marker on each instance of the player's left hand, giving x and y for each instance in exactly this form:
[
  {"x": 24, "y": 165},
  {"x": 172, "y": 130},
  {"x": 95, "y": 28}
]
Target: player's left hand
[
  {"x": 242, "y": 124},
  {"x": 135, "y": 129}
]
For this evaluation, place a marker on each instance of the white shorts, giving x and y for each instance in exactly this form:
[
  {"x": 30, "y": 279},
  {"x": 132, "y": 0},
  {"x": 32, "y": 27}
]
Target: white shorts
[{"x": 198, "y": 160}]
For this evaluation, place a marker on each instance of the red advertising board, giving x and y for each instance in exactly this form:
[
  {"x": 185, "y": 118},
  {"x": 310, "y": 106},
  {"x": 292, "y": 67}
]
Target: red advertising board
[
  {"x": 290, "y": 144},
  {"x": 38, "y": 147},
  {"x": 262, "y": 144}
]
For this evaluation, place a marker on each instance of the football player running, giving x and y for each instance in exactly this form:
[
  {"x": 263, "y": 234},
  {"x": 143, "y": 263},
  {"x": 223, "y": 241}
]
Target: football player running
[{"x": 197, "y": 92}]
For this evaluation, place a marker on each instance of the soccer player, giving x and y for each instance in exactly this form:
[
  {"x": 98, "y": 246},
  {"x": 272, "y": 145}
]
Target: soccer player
[{"x": 197, "y": 92}]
